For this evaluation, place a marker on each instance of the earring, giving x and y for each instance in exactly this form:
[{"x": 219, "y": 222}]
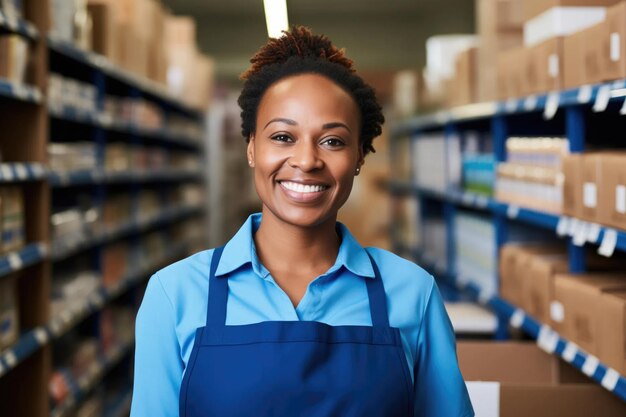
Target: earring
[
  {"x": 250, "y": 162},
  {"x": 358, "y": 170}
]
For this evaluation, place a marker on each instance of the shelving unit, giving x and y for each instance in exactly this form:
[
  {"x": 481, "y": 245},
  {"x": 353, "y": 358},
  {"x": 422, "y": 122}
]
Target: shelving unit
[
  {"x": 578, "y": 114},
  {"x": 31, "y": 122}
]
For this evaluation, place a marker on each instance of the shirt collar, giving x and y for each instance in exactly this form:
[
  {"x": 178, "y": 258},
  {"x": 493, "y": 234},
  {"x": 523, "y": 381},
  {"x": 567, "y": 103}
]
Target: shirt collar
[{"x": 240, "y": 251}]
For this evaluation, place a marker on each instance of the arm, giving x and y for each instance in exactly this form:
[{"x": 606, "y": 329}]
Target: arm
[
  {"x": 439, "y": 387},
  {"x": 158, "y": 365}
]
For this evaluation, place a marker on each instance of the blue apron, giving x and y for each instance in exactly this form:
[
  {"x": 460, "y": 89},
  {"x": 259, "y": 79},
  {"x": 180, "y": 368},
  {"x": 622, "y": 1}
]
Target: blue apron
[{"x": 296, "y": 368}]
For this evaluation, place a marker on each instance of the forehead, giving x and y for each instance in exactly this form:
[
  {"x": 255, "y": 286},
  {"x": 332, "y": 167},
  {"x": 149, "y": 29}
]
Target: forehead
[{"x": 307, "y": 96}]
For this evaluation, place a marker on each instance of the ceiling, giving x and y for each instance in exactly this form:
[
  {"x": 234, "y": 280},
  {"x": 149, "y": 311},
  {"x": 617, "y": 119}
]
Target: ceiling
[{"x": 380, "y": 35}]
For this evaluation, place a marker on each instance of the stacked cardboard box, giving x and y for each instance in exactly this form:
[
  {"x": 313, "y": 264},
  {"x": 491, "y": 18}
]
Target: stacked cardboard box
[
  {"x": 595, "y": 187},
  {"x": 510, "y": 379},
  {"x": 13, "y": 57}
]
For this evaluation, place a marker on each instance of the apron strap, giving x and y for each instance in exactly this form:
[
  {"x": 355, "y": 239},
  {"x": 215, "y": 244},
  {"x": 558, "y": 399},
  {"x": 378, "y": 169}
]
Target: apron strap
[
  {"x": 377, "y": 298},
  {"x": 218, "y": 293}
]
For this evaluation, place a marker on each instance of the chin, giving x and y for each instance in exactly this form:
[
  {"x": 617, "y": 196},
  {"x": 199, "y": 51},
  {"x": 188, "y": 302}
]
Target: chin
[{"x": 303, "y": 216}]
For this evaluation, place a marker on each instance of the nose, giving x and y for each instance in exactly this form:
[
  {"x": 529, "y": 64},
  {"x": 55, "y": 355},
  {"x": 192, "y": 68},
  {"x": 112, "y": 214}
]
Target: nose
[{"x": 305, "y": 156}]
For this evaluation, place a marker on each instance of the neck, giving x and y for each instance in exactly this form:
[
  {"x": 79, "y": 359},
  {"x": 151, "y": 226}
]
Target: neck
[{"x": 288, "y": 247}]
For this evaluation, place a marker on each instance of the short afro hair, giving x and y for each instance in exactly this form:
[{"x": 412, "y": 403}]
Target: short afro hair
[{"x": 299, "y": 51}]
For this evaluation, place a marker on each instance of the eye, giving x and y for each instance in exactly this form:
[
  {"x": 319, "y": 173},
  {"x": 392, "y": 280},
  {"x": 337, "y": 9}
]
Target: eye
[
  {"x": 282, "y": 138},
  {"x": 333, "y": 142}
]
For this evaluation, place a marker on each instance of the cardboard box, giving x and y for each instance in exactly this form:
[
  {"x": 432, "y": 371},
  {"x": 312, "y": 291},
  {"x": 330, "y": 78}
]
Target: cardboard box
[
  {"x": 531, "y": 384},
  {"x": 533, "y": 8},
  {"x": 612, "y": 193},
  {"x": 465, "y": 78},
  {"x": 104, "y": 33},
  {"x": 614, "y": 43},
  {"x": 180, "y": 30},
  {"x": 595, "y": 68},
  {"x": 561, "y": 21},
  {"x": 538, "y": 285},
  {"x": 544, "y": 67},
  {"x": 579, "y": 299},
  {"x": 590, "y": 182},
  {"x": 572, "y": 185},
  {"x": 514, "y": 261},
  {"x": 511, "y": 66},
  {"x": 574, "y": 60},
  {"x": 613, "y": 330}
]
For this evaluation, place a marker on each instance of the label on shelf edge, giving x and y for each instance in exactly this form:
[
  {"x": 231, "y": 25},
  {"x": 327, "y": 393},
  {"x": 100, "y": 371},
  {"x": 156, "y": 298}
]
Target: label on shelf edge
[
  {"x": 569, "y": 353},
  {"x": 584, "y": 94},
  {"x": 530, "y": 103},
  {"x": 602, "y": 99},
  {"x": 580, "y": 234},
  {"x": 7, "y": 172},
  {"x": 609, "y": 241},
  {"x": 593, "y": 232},
  {"x": 610, "y": 379},
  {"x": 615, "y": 46},
  {"x": 552, "y": 105},
  {"x": 40, "y": 335},
  {"x": 590, "y": 365},
  {"x": 511, "y": 105},
  {"x": 512, "y": 211},
  {"x": 15, "y": 261},
  {"x": 517, "y": 318},
  {"x": 10, "y": 359},
  {"x": 547, "y": 339},
  {"x": 622, "y": 111},
  {"x": 562, "y": 226},
  {"x": 620, "y": 197}
]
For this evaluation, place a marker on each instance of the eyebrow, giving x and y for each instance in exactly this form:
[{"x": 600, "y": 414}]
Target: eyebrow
[{"x": 330, "y": 125}]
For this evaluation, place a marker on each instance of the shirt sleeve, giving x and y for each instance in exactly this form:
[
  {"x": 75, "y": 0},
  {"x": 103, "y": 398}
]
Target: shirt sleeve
[
  {"x": 158, "y": 364},
  {"x": 439, "y": 386}
]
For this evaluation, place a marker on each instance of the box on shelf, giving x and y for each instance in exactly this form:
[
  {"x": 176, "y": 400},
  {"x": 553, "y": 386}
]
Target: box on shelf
[
  {"x": 561, "y": 21},
  {"x": 13, "y": 57},
  {"x": 579, "y": 299},
  {"x": 532, "y": 384},
  {"x": 544, "y": 67},
  {"x": 9, "y": 311},
  {"x": 614, "y": 43},
  {"x": 13, "y": 228},
  {"x": 590, "y": 182},
  {"x": 465, "y": 80},
  {"x": 533, "y": 8},
  {"x": 12, "y": 8},
  {"x": 104, "y": 30},
  {"x": 613, "y": 330},
  {"x": 572, "y": 180},
  {"x": 511, "y": 65},
  {"x": 114, "y": 264},
  {"x": 538, "y": 283},
  {"x": 612, "y": 192},
  {"x": 583, "y": 58},
  {"x": 62, "y": 19}
]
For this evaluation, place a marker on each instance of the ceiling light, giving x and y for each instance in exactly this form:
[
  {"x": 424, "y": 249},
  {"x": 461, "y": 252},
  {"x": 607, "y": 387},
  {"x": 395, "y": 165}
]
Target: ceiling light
[{"x": 276, "y": 17}]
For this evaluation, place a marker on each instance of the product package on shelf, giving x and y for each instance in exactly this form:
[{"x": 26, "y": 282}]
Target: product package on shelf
[
  {"x": 9, "y": 311},
  {"x": 591, "y": 313},
  {"x": 185, "y": 161},
  {"x": 64, "y": 92},
  {"x": 436, "y": 162},
  {"x": 183, "y": 126},
  {"x": 12, "y": 8},
  {"x": 500, "y": 386},
  {"x": 72, "y": 283},
  {"x": 62, "y": 19},
  {"x": 72, "y": 156},
  {"x": 434, "y": 242},
  {"x": 532, "y": 177},
  {"x": 117, "y": 157},
  {"x": 115, "y": 264},
  {"x": 149, "y": 205},
  {"x": 474, "y": 239},
  {"x": 116, "y": 211},
  {"x": 104, "y": 36},
  {"x": 13, "y": 226},
  {"x": 14, "y": 51},
  {"x": 188, "y": 195},
  {"x": 479, "y": 173}
]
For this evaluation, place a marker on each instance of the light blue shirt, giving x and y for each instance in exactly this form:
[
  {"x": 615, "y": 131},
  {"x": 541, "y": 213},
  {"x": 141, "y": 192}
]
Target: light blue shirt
[{"x": 175, "y": 305}]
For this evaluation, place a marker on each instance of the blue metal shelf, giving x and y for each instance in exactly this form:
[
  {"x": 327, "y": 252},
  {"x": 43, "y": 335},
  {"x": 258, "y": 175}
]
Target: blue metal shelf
[
  {"x": 112, "y": 70},
  {"x": 62, "y": 250},
  {"x": 68, "y": 179},
  {"x": 92, "y": 119},
  {"x": 546, "y": 338},
  {"x": 19, "y": 26},
  {"x": 81, "y": 387},
  {"x": 20, "y": 92},
  {"x": 34, "y": 339},
  {"x": 15, "y": 172},
  {"x": 29, "y": 255},
  {"x": 597, "y": 95}
]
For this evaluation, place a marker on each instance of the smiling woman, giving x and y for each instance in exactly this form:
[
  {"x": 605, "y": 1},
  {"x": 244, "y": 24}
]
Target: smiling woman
[{"x": 292, "y": 317}]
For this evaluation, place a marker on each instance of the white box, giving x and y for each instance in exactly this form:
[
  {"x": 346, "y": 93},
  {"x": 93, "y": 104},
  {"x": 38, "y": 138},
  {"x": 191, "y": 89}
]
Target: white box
[{"x": 561, "y": 21}]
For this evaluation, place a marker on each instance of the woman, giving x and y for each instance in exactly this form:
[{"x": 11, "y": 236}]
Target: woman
[{"x": 299, "y": 320}]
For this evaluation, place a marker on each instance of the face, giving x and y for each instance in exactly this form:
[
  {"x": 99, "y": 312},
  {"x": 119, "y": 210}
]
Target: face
[{"x": 305, "y": 150}]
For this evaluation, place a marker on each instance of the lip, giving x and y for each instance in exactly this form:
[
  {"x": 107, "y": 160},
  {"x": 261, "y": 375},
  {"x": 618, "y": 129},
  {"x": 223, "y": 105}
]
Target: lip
[{"x": 303, "y": 197}]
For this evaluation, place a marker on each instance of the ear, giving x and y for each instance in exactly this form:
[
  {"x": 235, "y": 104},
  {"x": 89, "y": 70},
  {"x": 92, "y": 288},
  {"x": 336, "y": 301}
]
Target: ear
[
  {"x": 360, "y": 160},
  {"x": 250, "y": 151}
]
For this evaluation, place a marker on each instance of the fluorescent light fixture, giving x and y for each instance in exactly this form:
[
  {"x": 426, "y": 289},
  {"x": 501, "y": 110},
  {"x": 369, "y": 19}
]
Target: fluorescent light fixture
[{"x": 276, "y": 17}]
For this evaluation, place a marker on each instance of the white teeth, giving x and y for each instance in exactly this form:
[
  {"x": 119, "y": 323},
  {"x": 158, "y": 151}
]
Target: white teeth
[{"x": 301, "y": 188}]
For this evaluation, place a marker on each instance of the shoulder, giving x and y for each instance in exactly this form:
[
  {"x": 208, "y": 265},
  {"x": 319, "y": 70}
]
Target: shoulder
[{"x": 186, "y": 275}]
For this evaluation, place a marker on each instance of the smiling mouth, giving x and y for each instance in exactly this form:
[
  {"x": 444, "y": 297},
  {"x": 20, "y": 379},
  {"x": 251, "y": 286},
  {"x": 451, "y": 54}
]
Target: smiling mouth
[{"x": 303, "y": 188}]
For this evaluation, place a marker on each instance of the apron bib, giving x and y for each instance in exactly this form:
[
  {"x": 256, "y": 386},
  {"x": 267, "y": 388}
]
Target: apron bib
[{"x": 296, "y": 368}]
